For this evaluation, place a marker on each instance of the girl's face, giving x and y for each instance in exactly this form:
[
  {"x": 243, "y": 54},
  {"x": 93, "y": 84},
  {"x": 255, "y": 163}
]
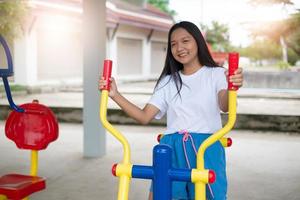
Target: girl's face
[{"x": 184, "y": 48}]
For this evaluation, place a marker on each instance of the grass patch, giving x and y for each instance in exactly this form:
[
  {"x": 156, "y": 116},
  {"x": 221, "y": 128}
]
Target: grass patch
[{"x": 14, "y": 88}]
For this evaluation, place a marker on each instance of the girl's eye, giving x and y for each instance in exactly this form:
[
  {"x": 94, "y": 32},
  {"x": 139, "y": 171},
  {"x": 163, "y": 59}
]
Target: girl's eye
[
  {"x": 185, "y": 41},
  {"x": 173, "y": 44}
]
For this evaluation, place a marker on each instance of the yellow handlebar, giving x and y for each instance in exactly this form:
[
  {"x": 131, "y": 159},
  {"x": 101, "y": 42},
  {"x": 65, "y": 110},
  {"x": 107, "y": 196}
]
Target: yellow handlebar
[
  {"x": 111, "y": 129},
  {"x": 200, "y": 192},
  {"x": 124, "y": 177}
]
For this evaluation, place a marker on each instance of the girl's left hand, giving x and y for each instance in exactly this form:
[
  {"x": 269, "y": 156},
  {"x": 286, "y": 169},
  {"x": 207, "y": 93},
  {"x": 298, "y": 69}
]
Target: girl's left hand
[{"x": 236, "y": 79}]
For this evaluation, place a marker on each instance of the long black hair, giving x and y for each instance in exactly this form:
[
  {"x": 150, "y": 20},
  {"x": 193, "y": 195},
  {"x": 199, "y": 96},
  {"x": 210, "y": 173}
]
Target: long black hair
[{"x": 172, "y": 66}]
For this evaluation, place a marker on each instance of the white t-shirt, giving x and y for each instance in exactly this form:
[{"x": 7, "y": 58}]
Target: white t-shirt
[{"x": 197, "y": 110}]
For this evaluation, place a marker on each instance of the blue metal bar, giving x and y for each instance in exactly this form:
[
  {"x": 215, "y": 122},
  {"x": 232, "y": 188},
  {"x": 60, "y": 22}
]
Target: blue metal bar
[
  {"x": 181, "y": 174},
  {"x": 143, "y": 172},
  {"x": 9, "y": 97},
  {"x": 4, "y": 73},
  {"x": 162, "y": 183},
  {"x": 9, "y": 70}
]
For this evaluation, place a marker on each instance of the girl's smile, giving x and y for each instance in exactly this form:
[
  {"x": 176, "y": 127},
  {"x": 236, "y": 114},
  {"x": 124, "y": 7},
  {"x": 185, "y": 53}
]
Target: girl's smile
[{"x": 184, "y": 49}]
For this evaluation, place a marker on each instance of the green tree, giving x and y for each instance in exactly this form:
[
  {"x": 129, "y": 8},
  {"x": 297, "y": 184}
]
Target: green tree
[
  {"x": 261, "y": 49},
  {"x": 12, "y": 16},
  {"x": 284, "y": 32},
  {"x": 217, "y": 35},
  {"x": 163, "y": 5},
  {"x": 293, "y": 32}
]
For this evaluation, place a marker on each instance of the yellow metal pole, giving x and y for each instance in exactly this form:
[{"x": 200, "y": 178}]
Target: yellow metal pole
[
  {"x": 34, "y": 163},
  {"x": 200, "y": 192},
  {"x": 125, "y": 174},
  {"x": 111, "y": 129}
]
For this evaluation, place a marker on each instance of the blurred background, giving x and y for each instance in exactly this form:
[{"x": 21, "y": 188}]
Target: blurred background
[
  {"x": 48, "y": 41},
  {"x": 46, "y": 37}
]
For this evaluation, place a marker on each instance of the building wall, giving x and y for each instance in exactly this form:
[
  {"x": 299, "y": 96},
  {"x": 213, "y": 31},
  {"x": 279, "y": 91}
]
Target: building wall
[
  {"x": 53, "y": 52},
  {"x": 133, "y": 53},
  {"x": 278, "y": 80},
  {"x": 59, "y": 50},
  {"x": 129, "y": 56},
  {"x": 158, "y": 52},
  {"x": 158, "y": 56}
]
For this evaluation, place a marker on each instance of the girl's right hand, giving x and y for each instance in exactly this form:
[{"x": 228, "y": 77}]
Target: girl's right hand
[{"x": 113, "y": 86}]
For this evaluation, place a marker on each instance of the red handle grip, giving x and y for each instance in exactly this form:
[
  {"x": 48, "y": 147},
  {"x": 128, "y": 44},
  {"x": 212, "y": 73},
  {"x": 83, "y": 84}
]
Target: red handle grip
[
  {"x": 107, "y": 67},
  {"x": 233, "y": 61}
]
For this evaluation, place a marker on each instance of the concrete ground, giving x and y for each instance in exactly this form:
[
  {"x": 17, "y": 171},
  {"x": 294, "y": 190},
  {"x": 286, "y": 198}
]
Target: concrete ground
[
  {"x": 250, "y": 100},
  {"x": 261, "y": 165},
  {"x": 258, "y": 109}
]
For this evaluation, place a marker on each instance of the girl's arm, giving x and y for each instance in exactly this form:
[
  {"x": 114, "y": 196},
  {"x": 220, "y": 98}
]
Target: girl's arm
[
  {"x": 237, "y": 80},
  {"x": 223, "y": 100},
  {"x": 143, "y": 116}
]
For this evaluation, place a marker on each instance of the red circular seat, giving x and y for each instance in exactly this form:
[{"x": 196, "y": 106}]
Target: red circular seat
[{"x": 32, "y": 129}]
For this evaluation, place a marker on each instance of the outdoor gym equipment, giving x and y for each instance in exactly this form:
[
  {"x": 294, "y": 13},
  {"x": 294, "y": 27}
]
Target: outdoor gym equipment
[
  {"x": 32, "y": 126},
  {"x": 161, "y": 172}
]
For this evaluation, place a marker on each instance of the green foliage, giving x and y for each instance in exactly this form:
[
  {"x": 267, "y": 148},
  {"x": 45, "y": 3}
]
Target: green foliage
[
  {"x": 293, "y": 36},
  {"x": 261, "y": 50},
  {"x": 283, "y": 65},
  {"x": 163, "y": 5},
  {"x": 14, "y": 88},
  {"x": 217, "y": 35},
  {"x": 136, "y": 2},
  {"x": 12, "y": 15},
  {"x": 292, "y": 57},
  {"x": 289, "y": 29}
]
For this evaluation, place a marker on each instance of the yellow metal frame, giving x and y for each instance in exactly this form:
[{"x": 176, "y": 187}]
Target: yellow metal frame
[
  {"x": 224, "y": 141},
  {"x": 200, "y": 176},
  {"x": 123, "y": 170},
  {"x": 200, "y": 192}
]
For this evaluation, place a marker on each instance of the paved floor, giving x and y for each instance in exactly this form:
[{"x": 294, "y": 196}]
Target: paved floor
[{"x": 261, "y": 166}]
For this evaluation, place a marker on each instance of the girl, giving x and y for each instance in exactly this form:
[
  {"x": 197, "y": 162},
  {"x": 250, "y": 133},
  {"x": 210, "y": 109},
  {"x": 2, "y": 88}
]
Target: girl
[{"x": 191, "y": 91}]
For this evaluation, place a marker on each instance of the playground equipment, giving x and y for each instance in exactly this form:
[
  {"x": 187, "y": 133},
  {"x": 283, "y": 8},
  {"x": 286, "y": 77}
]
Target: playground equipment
[
  {"x": 31, "y": 126},
  {"x": 161, "y": 172}
]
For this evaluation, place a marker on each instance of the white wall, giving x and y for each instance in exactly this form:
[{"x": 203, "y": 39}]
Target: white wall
[
  {"x": 52, "y": 52},
  {"x": 158, "y": 56},
  {"x": 59, "y": 50},
  {"x": 25, "y": 59},
  {"x": 133, "y": 54},
  {"x": 129, "y": 57}
]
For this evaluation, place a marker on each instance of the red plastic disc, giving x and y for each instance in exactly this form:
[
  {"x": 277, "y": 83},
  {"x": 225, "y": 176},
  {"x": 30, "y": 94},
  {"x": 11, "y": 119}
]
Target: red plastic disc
[
  {"x": 114, "y": 169},
  {"x": 211, "y": 176}
]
